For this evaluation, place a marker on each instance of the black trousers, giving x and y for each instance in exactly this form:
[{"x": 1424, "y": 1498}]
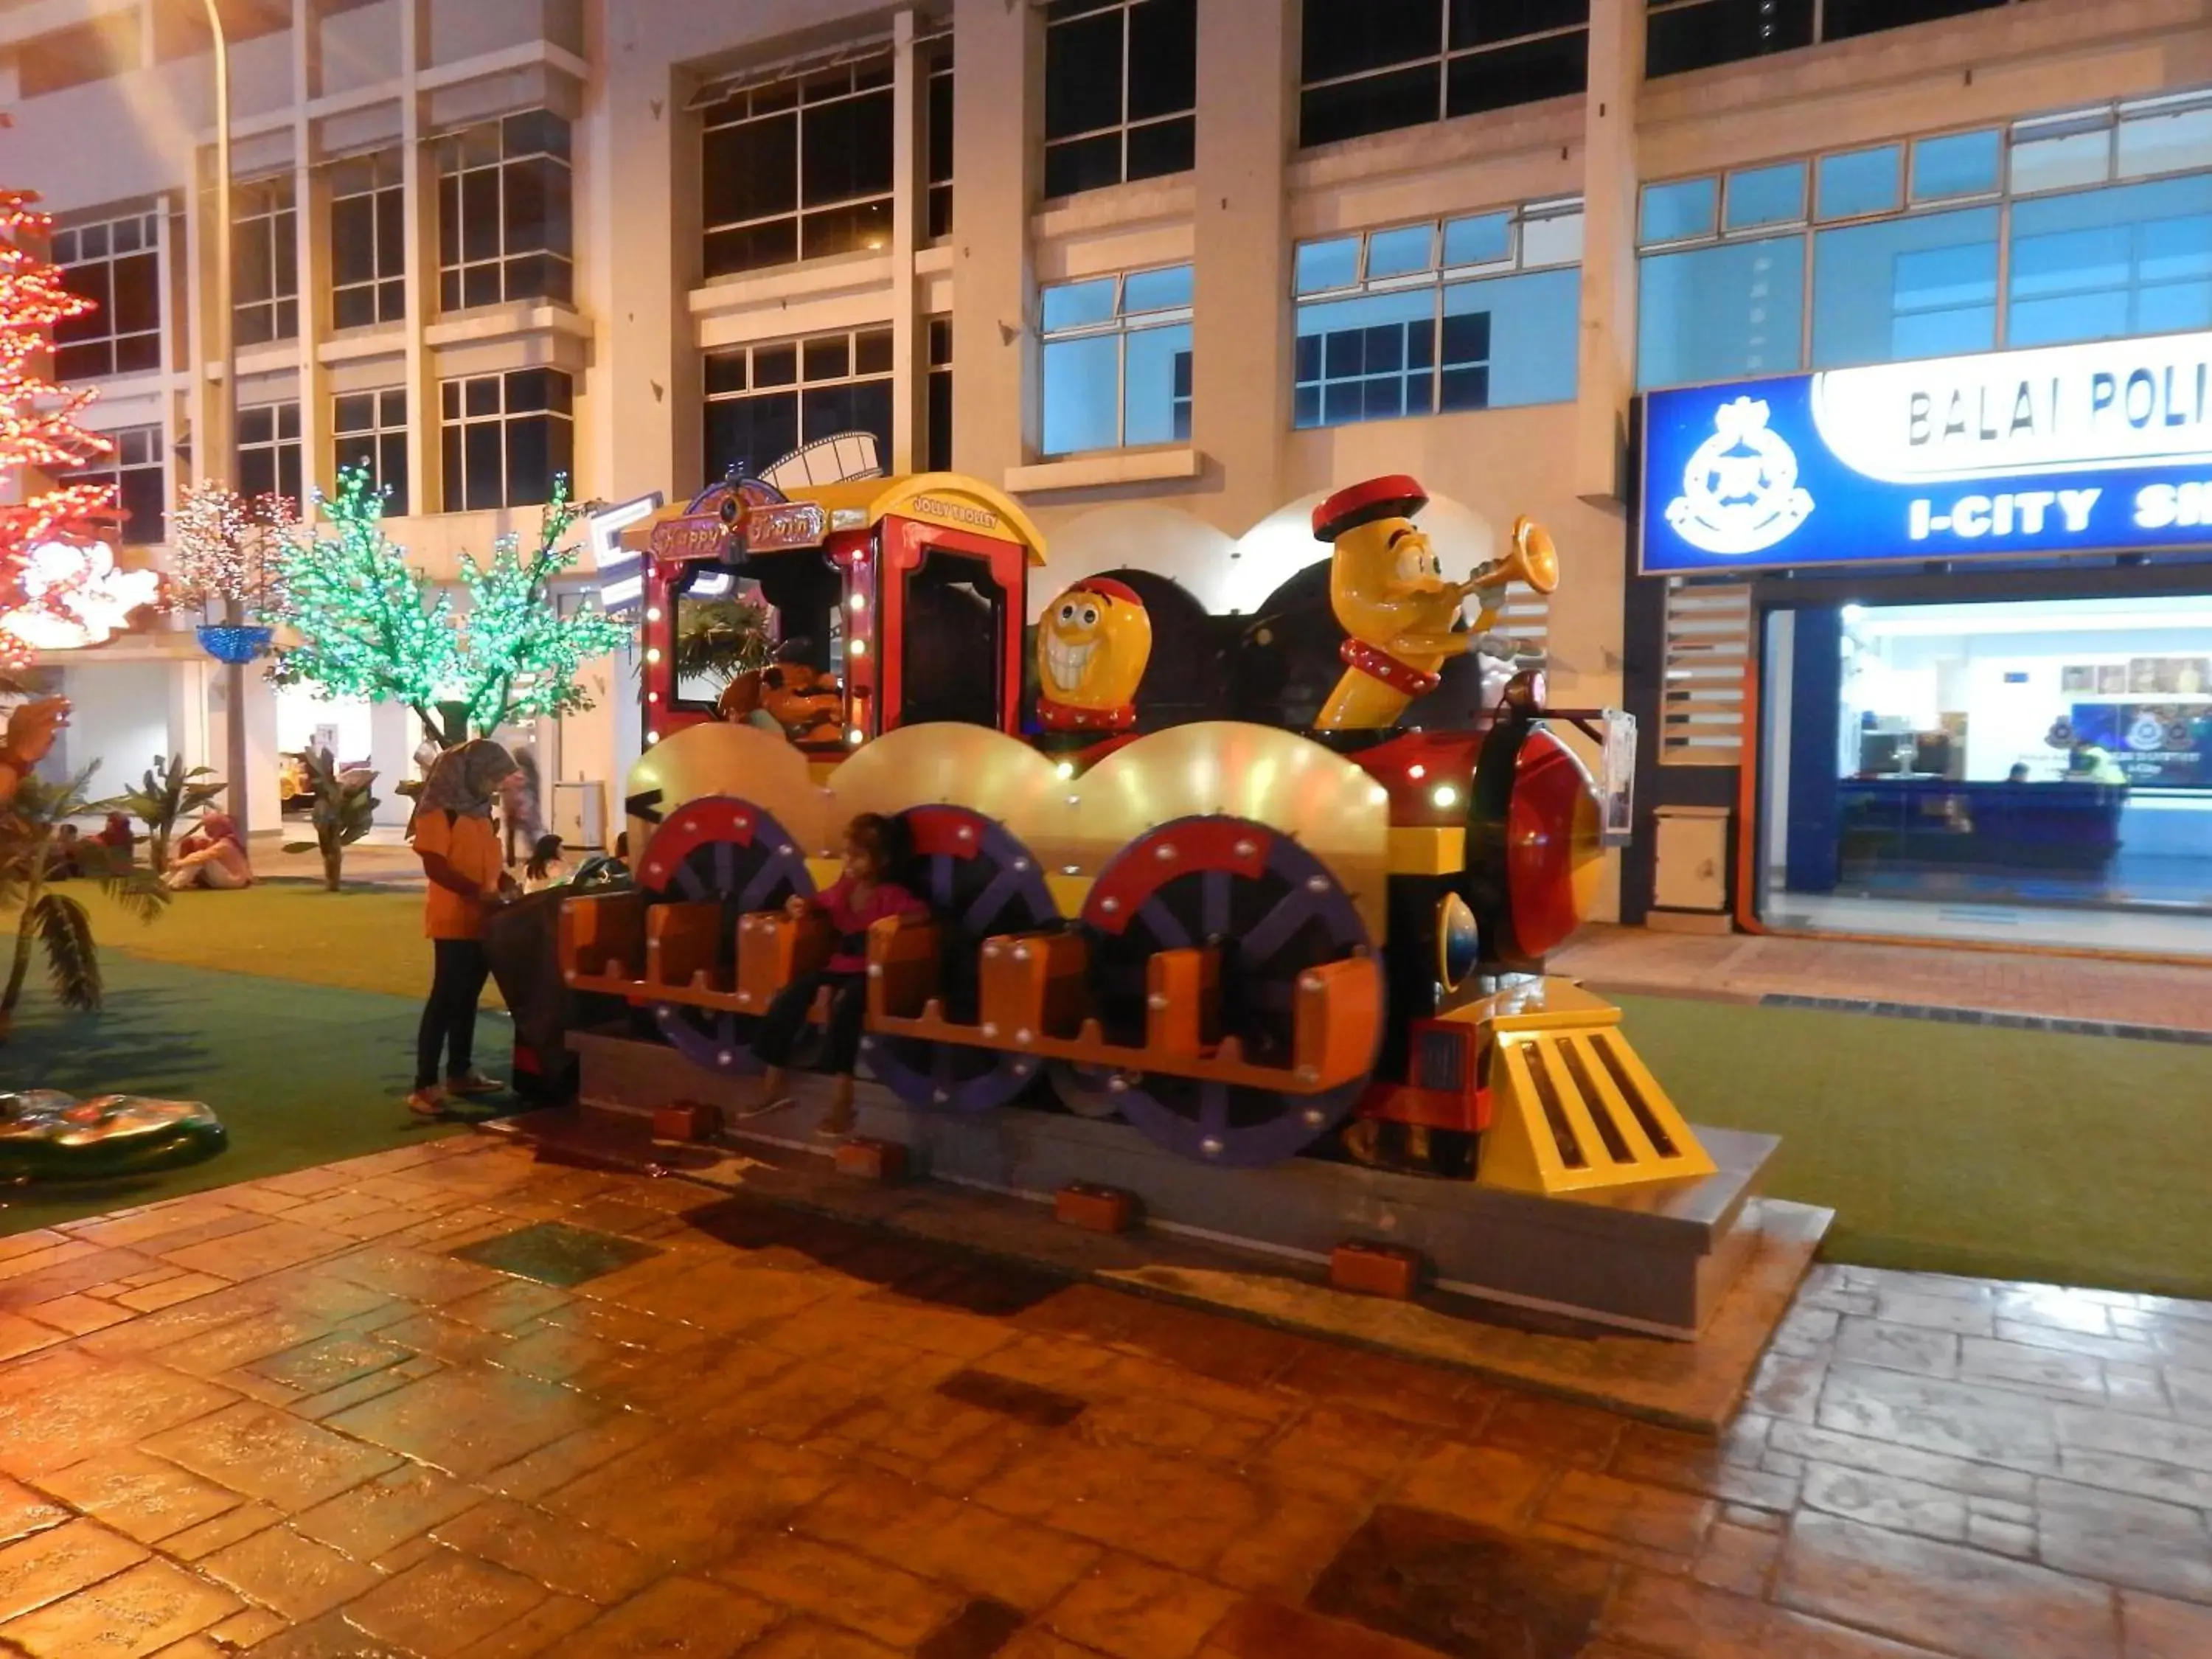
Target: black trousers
[
  {"x": 786, "y": 1017},
  {"x": 449, "y": 1017}
]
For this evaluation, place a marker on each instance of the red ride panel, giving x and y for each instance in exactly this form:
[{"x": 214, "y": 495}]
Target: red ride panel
[
  {"x": 1137, "y": 871},
  {"x": 934, "y": 831},
  {"x": 1411, "y": 766},
  {"x": 1550, "y": 792}
]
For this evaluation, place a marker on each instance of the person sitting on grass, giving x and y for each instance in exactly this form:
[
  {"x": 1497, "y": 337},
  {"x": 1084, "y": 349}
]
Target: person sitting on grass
[
  {"x": 65, "y": 856},
  {"x": 545, "y": 868},
  {"x": 119, "y": 839},
  {"x": 454, "y": 836},
  {"x": 863, "y": 894},
  {"x": 214, "y": 858}
]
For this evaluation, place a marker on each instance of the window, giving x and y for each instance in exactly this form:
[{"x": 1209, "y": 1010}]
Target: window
[
  {"x": 505, "y": 438},
  {"x": 799, "y": 169},
  {"x": 764, "y": 401},
  {"x": 269, "y": 452},
  {"x": 264, "y": 262},
  {"x": 1372, "y": 65},
  {"x": 504, "y": 226},
  {"x": 1117, "y": 360},
  {"x": 141, "y": 487},
  {"x": 938, "y": 424},
  {"x": 1477, "y": 312},
  {"x": 1691, "y": 35},
  {"x": 117, "y": 264},
  {"x": 2101, "y": 220},
  {"x": 936, "y": 117},
  {"x": 368, "y": 241},
  {"x": 370, "y": 431},
  {"x": 1121, "y": 85}
]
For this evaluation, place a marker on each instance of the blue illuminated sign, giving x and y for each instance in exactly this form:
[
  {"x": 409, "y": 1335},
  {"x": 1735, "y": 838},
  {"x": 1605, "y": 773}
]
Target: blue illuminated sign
[{"x": 2105, "y": 447}]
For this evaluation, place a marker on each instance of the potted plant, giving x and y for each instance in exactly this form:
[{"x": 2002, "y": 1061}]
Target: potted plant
[
  {"x": 342, "y": 812},
  {"x": 168, "y": 793},
  {"x": 57, "y": 920}
]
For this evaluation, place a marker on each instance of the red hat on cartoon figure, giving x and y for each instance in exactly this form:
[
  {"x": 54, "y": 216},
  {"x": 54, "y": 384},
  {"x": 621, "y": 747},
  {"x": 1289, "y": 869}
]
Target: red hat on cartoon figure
[{"x": 1396, "y": 496}]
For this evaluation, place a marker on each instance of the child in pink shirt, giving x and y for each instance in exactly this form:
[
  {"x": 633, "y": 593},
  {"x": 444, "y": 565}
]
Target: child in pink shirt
[{"x": 862, "y": 895}]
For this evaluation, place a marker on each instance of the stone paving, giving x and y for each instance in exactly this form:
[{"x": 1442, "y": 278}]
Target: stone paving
[
  {"x": 1748, "y": 966},
  {"x": 452, "y": 1401}
]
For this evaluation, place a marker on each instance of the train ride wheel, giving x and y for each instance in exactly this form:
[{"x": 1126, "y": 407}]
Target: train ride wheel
[
  {"x": 1272, "y": 910},
  {"x": 719, "y": 849},
  {"x": 978, "y": 881}
]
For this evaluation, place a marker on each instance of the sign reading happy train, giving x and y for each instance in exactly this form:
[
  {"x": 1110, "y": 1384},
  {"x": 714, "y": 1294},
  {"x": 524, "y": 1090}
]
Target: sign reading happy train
[{"x": 2100, "y": 448}]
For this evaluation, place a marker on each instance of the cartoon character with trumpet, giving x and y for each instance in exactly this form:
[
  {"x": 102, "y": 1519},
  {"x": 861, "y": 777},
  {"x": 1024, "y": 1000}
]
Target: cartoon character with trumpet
[{"x": 1388, "y": 589}]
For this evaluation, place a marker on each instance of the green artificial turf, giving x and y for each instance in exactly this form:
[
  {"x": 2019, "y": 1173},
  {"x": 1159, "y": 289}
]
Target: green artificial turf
[
  {"x": 1959, "y": 1148},
  {"x": 300, "y": 1074}
]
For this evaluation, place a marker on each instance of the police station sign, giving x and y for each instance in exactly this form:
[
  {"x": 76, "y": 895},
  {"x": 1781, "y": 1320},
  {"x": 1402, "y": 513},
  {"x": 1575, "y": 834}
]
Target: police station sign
[{"x": 2080, "y": 448}]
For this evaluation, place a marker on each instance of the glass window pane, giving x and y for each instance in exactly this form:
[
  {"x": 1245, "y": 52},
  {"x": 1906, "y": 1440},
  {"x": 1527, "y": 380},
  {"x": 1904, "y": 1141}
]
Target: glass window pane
[
  {"x": 1721, "y": 314},
  {"x": 1154, "y": 354},
  {"x": 481, "y": 395},
  {"x": 1342, "y": 37},
  {"x": 1900, "y": 288},
  {"x": 846, "y": 149},
  {"x": 354, "y": 413},
  {"x": 1679, "y": 211},
  {"x": 1156, "y": 290},
  {"x": 1554, "y": 241},
  {"x": 1533, "y": 328},
  {"x": 1159, "y": 148},
  {"x": 1963, "y": 164},
  {"x": 871, "y": 350},
  {"x": 1082, "y": 164},
  {"x": 2166, "y": 142},
  {"x": 1081, "y": 394},
  {"x": 138, "y": 303},
  {"x": 1083, "y": 75},
  {"x": 2106, "y": 264},
  {"x": 827, "y": 359},
  {"x": 480, "y": 213},
  {"x": 1163, "y": 57},
  {"x": 529, "y": 470},
  {"x": 353, "y": 239},
  {"x": 775, "y": 365},
  {"x": 480, "y": 447},
  {"x": 1072, "y": 304},
  {"x": 1766, "y": 196},
  {"x": 525, "y": 205},
  {"x": 1862, "y": 181},
  {"x": 1401, "y": 252},
  {"x": 2064, "y": 161},
  {"x": 1377, "y": 103},
  {"x": 1479, "y": 241},
  {"x": 1333, "y": 264}
]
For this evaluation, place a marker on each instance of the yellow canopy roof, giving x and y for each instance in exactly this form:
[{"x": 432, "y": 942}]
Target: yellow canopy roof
[{"x": 950, "y": 498}]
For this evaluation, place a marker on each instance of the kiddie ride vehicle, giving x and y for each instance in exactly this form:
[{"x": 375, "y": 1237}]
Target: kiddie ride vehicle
[{"x": 1247, "y": 942}]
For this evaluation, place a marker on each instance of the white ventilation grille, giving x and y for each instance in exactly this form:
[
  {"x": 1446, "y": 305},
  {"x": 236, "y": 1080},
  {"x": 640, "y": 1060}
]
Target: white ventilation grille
[
  {"x": 1701, "y": 705},
  {"x": 1525, "y": 619}
]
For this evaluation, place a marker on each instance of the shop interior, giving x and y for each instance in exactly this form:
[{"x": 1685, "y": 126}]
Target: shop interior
[{"x": 2035, "y": 771}]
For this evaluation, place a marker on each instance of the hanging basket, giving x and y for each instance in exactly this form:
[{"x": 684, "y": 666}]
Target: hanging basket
[{"x": 235, "y": 645}]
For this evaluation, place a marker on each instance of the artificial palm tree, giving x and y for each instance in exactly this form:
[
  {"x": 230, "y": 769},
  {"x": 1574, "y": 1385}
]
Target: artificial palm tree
[
  {"x": 167, "y": 794},
  {"x": 344, "y": 811},
  {"x": 57, "y": 920}
]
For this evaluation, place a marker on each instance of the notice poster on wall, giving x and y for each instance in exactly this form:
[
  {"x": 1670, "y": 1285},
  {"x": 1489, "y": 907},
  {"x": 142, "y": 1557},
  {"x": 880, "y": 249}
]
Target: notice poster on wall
[
  {"x": 1616, "y": 785},
  {"x": 2159, "y": 744}
]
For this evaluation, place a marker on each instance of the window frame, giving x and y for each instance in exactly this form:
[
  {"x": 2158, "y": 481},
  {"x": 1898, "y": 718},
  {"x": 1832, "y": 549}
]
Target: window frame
[
  {"x": 388, "y": 427},
  {"x": 285, "y": 450},
  {"x": 799, "y": 385},
  {"x": 150, "y": 440},
  {"x": 1442, "y": 60},
  {"x": 387, "y": 284},
  {"x": 70, "y": 239},
  {"x": 1436, "y": 277},
  {"x": 935, "y": 55},
  {"x": 1124, "y": 124},
  {"x": 796, "y": 112},
  {"x": 2112, "y": 118},
  {"x": 455, "y": 417},
  {"x": 450, "y": 166},
  {"x": 1119, "y": 324},
  {"x": 273, "y": 198}
]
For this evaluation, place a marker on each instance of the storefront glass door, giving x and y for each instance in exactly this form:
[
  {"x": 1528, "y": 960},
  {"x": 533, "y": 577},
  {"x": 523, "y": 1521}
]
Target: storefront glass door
[{"x": 2037, "y": 772}]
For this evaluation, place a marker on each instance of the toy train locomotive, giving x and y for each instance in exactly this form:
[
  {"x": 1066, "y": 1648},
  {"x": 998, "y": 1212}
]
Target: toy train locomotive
[{"x": 1248, "y": 941}]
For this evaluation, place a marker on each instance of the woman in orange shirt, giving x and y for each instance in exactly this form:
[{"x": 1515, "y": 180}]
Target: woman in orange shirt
[{"x": 453, "y": 837}]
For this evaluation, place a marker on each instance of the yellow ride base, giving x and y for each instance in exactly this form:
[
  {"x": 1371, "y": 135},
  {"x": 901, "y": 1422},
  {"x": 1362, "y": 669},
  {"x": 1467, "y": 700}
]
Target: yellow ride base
[{"x": 1572, "y": 1108}]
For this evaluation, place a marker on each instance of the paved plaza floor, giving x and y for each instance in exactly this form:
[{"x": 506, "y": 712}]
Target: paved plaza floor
[{"x": 449, "y": 1400}]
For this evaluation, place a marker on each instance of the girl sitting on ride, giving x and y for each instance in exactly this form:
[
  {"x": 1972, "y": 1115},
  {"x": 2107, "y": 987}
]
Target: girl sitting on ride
[{"x": 863, "y": 894}]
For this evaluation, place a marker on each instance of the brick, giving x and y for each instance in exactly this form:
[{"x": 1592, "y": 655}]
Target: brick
[
  {"x": 1094, "y": 1208},
  {"x": 1375, "y": 1269},
  {"x": 686, "y": 1120},
  {"x": 865, "y": 1159}
]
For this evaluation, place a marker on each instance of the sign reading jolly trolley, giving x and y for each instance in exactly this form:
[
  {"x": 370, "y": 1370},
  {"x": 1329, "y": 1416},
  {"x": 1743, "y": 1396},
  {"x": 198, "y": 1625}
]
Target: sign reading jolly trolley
[{"x": 2078, "y": 448}]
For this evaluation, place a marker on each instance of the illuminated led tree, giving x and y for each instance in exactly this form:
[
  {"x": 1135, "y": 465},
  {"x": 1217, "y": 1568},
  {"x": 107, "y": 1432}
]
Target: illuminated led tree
[
  {"x": 366, "y": 624},
  {"x": 59, "y": 585},
  {"x": 224, "y": 548}
]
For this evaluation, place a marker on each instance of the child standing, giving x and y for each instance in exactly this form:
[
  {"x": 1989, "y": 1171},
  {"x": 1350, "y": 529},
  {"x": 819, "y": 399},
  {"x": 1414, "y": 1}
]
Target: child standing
[{"x": 863, "y": 894}]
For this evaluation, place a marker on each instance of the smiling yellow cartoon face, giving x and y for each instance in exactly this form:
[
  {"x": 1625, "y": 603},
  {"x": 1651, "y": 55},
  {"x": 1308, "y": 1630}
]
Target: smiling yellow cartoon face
[{"x": 1093, "y": 642}]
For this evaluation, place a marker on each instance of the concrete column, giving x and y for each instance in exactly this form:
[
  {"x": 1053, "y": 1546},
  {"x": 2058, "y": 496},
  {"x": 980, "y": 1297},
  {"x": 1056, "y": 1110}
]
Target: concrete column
[
  {"x": 419, "y": 179},
  {"x": 1241, "y": 333},
  {"x": 910, "y": 193},
  {"x": 190, "y": 689},
  {"x": 392, "y": 734},
  {"x": 644, "y": 189},
  {"x": 997, "y": 131},
  {"x": 1607, "y": 369}
]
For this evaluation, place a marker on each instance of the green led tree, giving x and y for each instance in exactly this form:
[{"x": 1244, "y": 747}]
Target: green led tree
[{"x": 361, "y": 622}]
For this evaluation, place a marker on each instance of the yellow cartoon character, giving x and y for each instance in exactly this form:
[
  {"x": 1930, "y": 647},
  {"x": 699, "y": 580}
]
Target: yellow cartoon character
[
  {"x": 1092, "y": 644},
  {"x": 1389, "y": 594}
]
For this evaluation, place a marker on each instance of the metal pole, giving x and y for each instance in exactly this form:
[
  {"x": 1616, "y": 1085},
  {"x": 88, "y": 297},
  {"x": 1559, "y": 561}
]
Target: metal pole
[{"x": 218, "y": 448}]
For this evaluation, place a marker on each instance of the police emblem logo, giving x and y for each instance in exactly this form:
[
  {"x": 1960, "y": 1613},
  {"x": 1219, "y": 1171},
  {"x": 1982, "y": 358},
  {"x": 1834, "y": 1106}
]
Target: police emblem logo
[{"x": 1739, "y": 492}]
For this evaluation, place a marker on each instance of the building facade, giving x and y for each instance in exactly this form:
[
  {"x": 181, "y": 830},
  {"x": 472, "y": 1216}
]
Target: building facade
[{"x": 477, "y": 242}]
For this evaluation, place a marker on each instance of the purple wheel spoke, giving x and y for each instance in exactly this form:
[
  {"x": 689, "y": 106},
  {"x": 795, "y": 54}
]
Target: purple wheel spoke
[
  {"x": 1275, "y": 928},
  {"x": 1214, "y": 904},
  {"x": 940, "y": 882},
  {"x": 1003, "y": 890},
  {"x": 1167, "y": 929},
  {"x": 1213, "y": 1108},
  {"x": 725, "y": 868},
  {"x": 689, "y": 883}
]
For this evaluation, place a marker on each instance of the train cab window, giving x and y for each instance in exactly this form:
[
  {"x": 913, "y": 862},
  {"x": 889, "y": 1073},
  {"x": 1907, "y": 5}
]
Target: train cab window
[
  {"x": 710, "y": 596},
  {"x": 955, "y": 644}
]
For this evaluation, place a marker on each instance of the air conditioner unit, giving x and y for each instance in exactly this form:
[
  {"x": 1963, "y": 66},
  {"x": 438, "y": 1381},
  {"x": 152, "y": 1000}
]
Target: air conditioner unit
[{"x": 579, "y": 814}]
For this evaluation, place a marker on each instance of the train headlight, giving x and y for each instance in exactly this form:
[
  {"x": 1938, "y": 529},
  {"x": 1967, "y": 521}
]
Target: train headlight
[{"x": 1458, "y": 941}]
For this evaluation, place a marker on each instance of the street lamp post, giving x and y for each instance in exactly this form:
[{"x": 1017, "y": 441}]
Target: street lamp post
[{"x": 218, "y": 448}]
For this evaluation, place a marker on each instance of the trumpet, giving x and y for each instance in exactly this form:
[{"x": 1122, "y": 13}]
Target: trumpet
[{"x": 1533, "y": 561}]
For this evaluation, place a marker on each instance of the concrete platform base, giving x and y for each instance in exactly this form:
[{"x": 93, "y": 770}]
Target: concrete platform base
[{"x": 1594, "y": 1299}]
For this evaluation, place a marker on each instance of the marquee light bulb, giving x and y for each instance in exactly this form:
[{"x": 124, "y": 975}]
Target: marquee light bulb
[
  {"x": 1444, "y": 795},
  {"x": 654, "y": 654},
  {"x": 857, "y": 648},
  {"x": 652, "y": 613},
  {"x": 858, "y": 602}
]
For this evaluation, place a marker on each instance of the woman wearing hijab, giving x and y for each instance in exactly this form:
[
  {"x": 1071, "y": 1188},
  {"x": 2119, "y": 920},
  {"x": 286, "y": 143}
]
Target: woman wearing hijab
[
  {"x": 212, "y": 857},
  {"x": 118, "y": 838},
  {"x": 454, "y": 836}
]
